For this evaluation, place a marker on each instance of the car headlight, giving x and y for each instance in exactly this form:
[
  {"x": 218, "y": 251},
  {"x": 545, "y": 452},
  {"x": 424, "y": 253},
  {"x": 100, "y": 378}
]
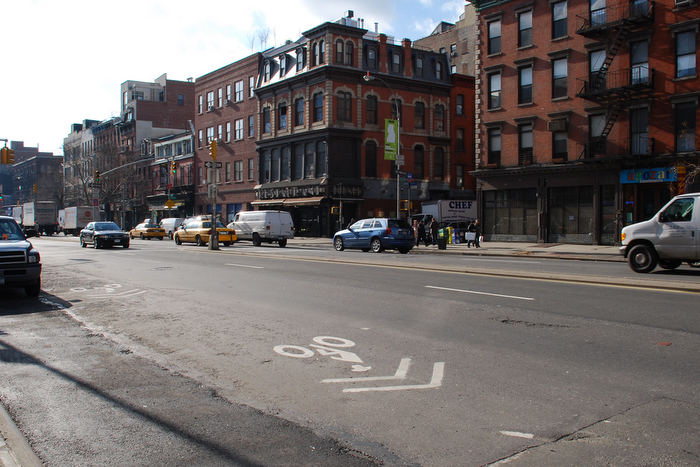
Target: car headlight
[{"x": 622, "y": 237}]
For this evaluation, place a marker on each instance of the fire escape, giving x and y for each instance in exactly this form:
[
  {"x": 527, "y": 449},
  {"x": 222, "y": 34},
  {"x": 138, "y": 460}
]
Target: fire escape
[{"x": 615, "y": 90}]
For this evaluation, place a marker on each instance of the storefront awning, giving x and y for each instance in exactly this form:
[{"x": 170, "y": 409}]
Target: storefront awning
[
  {"x": 268, "y": 202},
  {"x": 315, "y": 201}
]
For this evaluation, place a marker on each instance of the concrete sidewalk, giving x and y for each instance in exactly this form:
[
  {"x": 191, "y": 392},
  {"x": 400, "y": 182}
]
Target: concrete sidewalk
[{"x": 514, "y": 249}]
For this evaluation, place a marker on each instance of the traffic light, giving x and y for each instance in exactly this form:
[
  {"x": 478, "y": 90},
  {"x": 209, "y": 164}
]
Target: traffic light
[
  {"x": 212, "y": 149},
  {"x": 0, "y": 196},
  {"x": 3, "y": 155},
  {"x": 173, "y": 168},
  {"x": 96, "y": 178},
  {"x": 10, "y": 156}
]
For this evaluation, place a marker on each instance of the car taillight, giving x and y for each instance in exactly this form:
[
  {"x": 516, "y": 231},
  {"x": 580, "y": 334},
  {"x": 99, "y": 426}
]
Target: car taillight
[
  {"x": 267, "y": 227},
  {"x": 388, "y": 231},
  {"x": 233, "y": 232}
]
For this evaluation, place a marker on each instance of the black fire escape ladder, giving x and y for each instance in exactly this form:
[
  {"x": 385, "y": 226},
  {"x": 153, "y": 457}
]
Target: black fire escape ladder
[{"x": 616, "y": 42}]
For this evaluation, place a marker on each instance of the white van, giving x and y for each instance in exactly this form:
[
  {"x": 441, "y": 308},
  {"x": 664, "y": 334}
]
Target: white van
[
  {"x": 668, "y": 239},
  {"x": 170, "y": 225},
  {"x": 263, "y": 226}
]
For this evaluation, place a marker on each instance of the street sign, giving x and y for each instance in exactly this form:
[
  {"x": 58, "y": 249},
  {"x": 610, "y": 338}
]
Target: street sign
[
  {"x": 210, "y": 164},
  {"x": 169, "y": 204},
  {"x": 399, "y": 159},
  {"x": 409, "y": 176}
]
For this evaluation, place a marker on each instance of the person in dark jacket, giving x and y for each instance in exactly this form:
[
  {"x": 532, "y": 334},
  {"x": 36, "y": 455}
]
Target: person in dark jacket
[
  {"x": 435, "y": 231},
  {"x": 421, "y": 234},
  {"x": 470, "y": 229},
  {"x": 477, "y": 233}
]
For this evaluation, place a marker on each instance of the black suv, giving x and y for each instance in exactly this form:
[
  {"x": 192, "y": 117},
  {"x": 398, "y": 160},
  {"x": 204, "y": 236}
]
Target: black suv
[{"x": 20, "y": 263}]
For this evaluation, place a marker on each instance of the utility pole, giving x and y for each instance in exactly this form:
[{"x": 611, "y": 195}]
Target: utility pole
[{"x": 213, "y": 167}]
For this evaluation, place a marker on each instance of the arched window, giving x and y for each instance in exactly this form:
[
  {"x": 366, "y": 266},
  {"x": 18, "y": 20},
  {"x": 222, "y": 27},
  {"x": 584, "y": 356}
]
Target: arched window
[
  {"x": 419, "y": 67},
  {"x": 339, "y": 53},
  {"x": 322, "y": 52},
  {"x": 300, "y": 59},
  {"x": 283, "y": 65},
  {"x": 349, "y": 54},
  {"x": 395, "y": 62},
  {"x": 267, "y": 71},
  {"x": 314, "y": 59}
]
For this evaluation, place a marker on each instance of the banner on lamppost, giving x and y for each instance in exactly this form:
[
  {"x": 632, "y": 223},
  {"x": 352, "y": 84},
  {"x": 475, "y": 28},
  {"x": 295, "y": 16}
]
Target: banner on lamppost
[{"x": 391, "y": 143}]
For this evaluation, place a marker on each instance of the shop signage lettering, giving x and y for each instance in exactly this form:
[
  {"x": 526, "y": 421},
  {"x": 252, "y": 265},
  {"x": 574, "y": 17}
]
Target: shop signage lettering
[
  {"x": 649, "y": 175},
  {"x": 290, "y": 192}
]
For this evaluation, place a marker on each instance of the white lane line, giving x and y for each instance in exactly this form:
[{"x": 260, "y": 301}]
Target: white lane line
[
  {"x": 478, "y": 293},
  {"x": 400, "y": 374},
  {"x": 517, "y": 434},
  {"x": 244, "y": 266},
  {"x": 435, "y": 382}
]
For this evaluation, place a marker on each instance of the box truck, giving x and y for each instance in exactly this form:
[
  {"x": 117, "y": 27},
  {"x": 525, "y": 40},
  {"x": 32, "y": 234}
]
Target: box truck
[{"x": 77, "y": 217}]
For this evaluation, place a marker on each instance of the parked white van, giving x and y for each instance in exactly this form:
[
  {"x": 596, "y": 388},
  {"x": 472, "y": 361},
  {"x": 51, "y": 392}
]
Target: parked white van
[
  {"x": 668, "y": 239},
  {"x": 170, "y": 225},
  {"x": 263, "y": 226}
]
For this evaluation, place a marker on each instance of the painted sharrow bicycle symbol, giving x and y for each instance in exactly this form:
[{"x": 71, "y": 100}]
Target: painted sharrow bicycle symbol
[{"x": 336, "y": 348}]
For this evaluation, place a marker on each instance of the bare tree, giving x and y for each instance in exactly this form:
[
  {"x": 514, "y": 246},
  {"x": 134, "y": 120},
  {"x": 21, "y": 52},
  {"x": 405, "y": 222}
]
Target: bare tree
[
  {"x": 263, "y": 35},
  {"x": 251, "y": 40}
]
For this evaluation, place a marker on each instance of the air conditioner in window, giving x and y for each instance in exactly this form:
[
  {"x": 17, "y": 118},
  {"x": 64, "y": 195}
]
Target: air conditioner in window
[
  {"x": 556, "y": 125},
  {"x": 210, "y": 108},
  {"x": 226, "y": 102}
]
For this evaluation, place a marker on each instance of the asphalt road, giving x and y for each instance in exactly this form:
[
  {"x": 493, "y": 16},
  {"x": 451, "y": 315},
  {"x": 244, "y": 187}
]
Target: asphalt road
[{"x": 181, "y": 356}]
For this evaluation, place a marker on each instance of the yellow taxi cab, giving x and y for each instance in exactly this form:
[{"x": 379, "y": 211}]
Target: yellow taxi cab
[
  {"x": 198, "y": 230},
  {"x": 146, "y": 230}
]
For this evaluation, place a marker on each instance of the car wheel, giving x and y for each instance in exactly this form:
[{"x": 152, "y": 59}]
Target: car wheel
[
  {"x": 404, "y": 251},
  {"x": 141, "y": 236},
  {"x": 643, "y": 259},
  {"x": 34, "y": 289},
  {"x": 282, "y": 243},
  {"x": 170, "y": 235},
  {"x": 177, "y": 240},
  {"x": 338, "y": 244},
  {"x": 227, "y": 243},
  {"x": 126, "y": 245},
  {"x": 199, "y": 240},
  {"x": 82, "y": 243},
  {"x": 670, "y": 263},
  {"x": 160, "y": 238},
  {"x": 376, "y": 245},
  {"x": 256, "y": 239}
]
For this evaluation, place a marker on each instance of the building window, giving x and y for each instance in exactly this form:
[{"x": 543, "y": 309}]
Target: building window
[
  {"x": 300, "y": 59},
  {"x": 371, "y": 59},
  {"x": 344, "y": 107},
  {"x": 419, "y": 115},
  {"x": 372, "y": 110},
  {"x": 419, "y": 163},
  {"x": 371, "y": 159},
  {"x": 228, "y": 132},
  {"x": 298, "y": 162},
  {"x": 275, "y": 170},
  {"x": 299, "y": 112},
  {"x": 251, "y": 169},
  {"x": 559, "y": 22},
  {"x": 349, "y": 53},
  {"x": 339, "y": 52},
  {"x": 395, "y": 62},
  {"x": 201, "y": 104},
  {"x": 267, "y": 126},
  {"x": 322, "y": 52},
  {"x": 267, "y": 72},
  {"x": 239, "y": 91},
  {"x": 685, "y": 126},
  {"x": 494, "y": 146},
  {"x": 309, "y": 157},
  {"x": 251, "y": 125},
  {"x": 210, "y": 135},
  {"x": 320, "y": 168},
  {"x": 314, "y": 57},
  {"x": 559, "y": 78},
  {"x": 239, "y": 129},
  {"x": 526, "y": 139},
  {"x": 440, "y": 117},
  {"x": 282, "y": 111},
  {"x": 318, "y": 107},
  {"x": 180, "y": 99},
  {"x": 453, "y": 50},
  {"x": 639, "y": 131},
  {"x": 438, "y": 70},
  {"x": 560, "y": 145},
  {"x": 494, "y": 37},
  {"x": 220, "y": 100},
  {"x": 685, "y": 54},
  {"x": 597, "y": 12},
  {"x": 284, "y": 170},
  {"x": 639, "y": 58},
  {"x": 251, "y": 86},
  {"x": 228, "y": 92},
  {"x": 495, "y": 91},
  {"x": 453, "y": 69},
  {"x": 525, "y": 88},
  {"x": 267, "y": 165},
  {"x": 597, "y": 126},
  {"x": 460, "y": 139},
  {"x": 439, "y": 164},
  {"x": 459, "y": 176},
  {"x": 228, "y": 172},
  {"x": 525, "y": 27},
  {"x": 396, "y": 111},
  {"x": 200, "y": 176},
  {"x": 597, "y": 79},
  {"x": 459, "y": 109},
  {"x": 238, "y": 171},
  {"x": 419, "y": 67},
  {"x": 283, "y": 65},
  {"x": 220, "y": 132},
  {"x": 210, "y": 100},
  {"x": 200, "y": 138}
]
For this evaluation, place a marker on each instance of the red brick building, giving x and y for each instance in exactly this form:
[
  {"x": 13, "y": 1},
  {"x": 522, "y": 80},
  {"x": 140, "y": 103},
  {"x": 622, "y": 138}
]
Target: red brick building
[
  {"x": 587, "y": 122},
  {"x": 226, "y": 108}
]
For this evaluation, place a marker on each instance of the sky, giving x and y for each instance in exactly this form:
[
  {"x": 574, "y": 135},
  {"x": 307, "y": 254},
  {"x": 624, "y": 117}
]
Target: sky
[{"x": 63, "y": 61}]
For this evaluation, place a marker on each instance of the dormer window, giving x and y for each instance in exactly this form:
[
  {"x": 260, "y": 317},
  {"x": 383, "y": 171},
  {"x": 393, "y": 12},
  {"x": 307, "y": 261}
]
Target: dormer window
[
  {"x": 371, "y": 59},
  {"x": 283, "y": 65},
  {"x": 267, "y": 71},
  {"x": 395, "y": 62},
  {"x": 300, "y": 59},
  {"x": 419, "y": 67}
]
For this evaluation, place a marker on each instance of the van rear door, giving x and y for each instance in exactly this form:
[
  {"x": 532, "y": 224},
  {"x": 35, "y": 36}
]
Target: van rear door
[{"x": 677, "y": 229}]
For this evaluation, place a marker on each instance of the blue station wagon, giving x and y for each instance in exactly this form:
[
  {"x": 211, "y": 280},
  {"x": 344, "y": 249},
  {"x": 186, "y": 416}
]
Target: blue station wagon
[{"x": 377, "y": 234}]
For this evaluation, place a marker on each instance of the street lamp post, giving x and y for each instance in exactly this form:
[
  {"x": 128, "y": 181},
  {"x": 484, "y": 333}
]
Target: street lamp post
[{"x": 395, "y": 102}]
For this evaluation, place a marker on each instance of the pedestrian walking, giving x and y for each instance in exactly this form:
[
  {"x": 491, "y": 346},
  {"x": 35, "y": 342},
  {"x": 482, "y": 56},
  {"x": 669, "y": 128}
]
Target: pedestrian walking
[
  {"x": 435, "y": 231},
  {"x": 421, "y": 234},
  {"x": 470, "y": 230},
  {"x": 477, "y": 233}
]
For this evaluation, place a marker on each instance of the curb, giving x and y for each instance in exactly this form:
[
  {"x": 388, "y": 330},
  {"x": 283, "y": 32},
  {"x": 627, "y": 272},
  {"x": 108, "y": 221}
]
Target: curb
[{"x": 15, "y": 450}]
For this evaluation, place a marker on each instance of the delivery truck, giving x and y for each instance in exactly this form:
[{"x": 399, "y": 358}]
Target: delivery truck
[
  {"x": 39, "y": 217},
  {"x": 77, "y": 217},
  {"x": 450, "y": 210}
]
